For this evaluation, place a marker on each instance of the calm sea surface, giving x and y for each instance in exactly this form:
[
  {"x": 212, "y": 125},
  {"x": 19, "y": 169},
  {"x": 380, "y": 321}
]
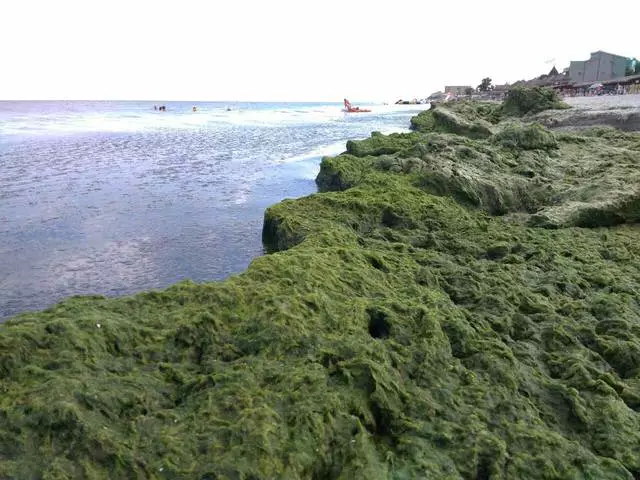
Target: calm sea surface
[{"x": 113, "y": 198}]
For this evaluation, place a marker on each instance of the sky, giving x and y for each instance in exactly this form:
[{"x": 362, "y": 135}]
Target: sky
[{"x": 281, "y": 50}]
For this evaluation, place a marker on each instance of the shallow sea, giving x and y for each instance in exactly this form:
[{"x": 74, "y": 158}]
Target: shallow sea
[{"x": 112, "y": 198}]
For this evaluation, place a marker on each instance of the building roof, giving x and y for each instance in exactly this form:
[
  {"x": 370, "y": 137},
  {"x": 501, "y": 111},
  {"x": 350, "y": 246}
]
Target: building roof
[
  {"x": 595, "y": 53},
  {"x": 607, "y": 53}
]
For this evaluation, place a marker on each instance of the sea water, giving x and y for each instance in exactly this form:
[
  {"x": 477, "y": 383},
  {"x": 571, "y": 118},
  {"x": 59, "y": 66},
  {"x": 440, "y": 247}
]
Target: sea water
[{"x": 113, "y": 198}]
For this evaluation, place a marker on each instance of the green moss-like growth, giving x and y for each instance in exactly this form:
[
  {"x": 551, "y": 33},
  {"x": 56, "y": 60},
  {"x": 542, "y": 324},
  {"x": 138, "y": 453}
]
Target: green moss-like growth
[
  {"x": 423, "y": 122},
  {"x": 476, "y": 110},
  {"x": 543, "y": 179},
  {"x": 451, "y": 122},
  {"x": 340, "y": 175},
  {"x": 528, "y": 137},
  {"x": 447, "y": 120},
  {"x": 393, "y": 334},
  {"x": 521, "y": 101},
  {"x": 379, "y": 144}
]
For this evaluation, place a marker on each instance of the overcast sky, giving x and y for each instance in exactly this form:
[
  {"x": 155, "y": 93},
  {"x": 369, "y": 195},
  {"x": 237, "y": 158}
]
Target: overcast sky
[{"x": 298, "y": 50}]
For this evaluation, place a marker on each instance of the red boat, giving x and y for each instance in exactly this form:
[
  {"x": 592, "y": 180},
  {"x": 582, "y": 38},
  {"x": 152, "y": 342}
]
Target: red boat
[{"x": 351, "y": 109}]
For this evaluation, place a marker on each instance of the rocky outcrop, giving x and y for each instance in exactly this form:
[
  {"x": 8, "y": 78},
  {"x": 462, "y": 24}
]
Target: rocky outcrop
[
  {"x": 446, "y": 120},
  {"x": 521, "y": 101},
  {"x": 522, "y": 169},
  {"x": 526, "y": 137},
  {"x": 379, "y": 144}
]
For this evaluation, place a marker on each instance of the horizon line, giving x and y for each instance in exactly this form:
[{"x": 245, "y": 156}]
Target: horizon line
[
  {"x": 191, "y": 100},
  {"x": 169, "y": 100}
]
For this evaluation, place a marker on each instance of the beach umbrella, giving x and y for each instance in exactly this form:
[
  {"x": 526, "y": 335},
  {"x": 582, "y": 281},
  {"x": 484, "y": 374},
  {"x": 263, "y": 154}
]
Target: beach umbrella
[{"x": 596, "y": 85}]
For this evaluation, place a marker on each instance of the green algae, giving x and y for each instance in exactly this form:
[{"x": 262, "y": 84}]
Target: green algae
[
  {"x": 471, "y": 111},
  {"x": 521, "y": 101},
  {"x": 459, "y": 121},
  {"x": 393, "y": 333},
  {"x": 526, "y": 137},
  {"x": 380, "y": 144},
  {"x": 542, "y": 178}
]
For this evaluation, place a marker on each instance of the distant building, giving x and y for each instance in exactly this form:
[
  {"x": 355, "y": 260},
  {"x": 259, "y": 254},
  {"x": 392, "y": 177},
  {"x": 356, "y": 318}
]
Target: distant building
[
  {"x": 457, "y": 90},
  {"x": 499, "y": 91},
  {"x": 601, "y": 66}
]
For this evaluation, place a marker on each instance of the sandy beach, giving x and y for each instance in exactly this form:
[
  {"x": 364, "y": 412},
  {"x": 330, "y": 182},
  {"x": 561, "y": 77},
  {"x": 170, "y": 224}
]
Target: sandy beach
[{"x": 605, "y": 102}]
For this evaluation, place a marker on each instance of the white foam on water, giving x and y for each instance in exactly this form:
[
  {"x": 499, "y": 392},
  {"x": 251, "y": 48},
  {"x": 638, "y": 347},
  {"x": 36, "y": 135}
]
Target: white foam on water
[
  {"x": 284, "y": 116},
  {"x": 324, "y": 151},
  {"x": 334, "y": 148},
  {"x": 389, "y": 131},
  {"x": 142, "y": 120}
]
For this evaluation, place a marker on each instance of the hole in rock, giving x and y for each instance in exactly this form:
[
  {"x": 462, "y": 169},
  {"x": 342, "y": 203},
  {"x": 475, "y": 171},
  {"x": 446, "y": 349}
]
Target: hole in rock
[
  {"x": 378, "y": 324},
  {"x": 376, "y": 263}
]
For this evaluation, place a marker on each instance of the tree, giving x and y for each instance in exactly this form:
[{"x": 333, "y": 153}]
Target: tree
[
  {"x": 468, "y": 91},
  {"x": 485, "y": 86},
  {"x": 633, "y": 67}
]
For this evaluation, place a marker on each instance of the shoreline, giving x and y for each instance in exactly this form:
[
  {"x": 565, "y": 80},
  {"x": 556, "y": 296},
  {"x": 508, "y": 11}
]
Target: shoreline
[
  {"x": 456, "y": 302},
  {"x": 158, "y": 199}
]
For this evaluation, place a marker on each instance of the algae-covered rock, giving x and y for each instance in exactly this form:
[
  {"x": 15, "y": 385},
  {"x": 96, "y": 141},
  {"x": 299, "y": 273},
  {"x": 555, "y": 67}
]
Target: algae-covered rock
[
  {"x": 445, "y": 120},
  {"x": 379, "y": 144},
  {"x": 613, "y": 208},
  {"x": 521, "y": 101},
  {"x": 555, "y": 180},
  {"x": 340, "y": 175},
  {"x": 423, "y": 122},
  {"x": 526, "y": 137},
  {"x": 490, "y": 111},
  {"x": 448, "y": 121},
  {"x": 278, "y": 233},
  {"x": 473, "y": 173}
]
